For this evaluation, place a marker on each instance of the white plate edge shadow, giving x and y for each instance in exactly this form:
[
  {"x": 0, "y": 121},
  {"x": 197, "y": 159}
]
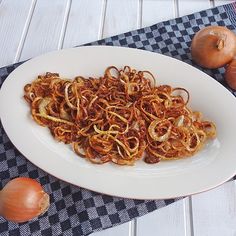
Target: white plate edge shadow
[{"x": 123, "y": 186}]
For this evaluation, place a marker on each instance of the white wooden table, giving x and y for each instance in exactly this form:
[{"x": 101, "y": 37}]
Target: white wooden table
[{"x": 31, "y": 27}]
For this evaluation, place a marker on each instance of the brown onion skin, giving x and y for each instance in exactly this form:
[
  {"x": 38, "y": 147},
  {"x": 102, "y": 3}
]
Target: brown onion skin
[
  {"x": 207, "y": 52},
  {"x": 230, "y": 74},
  {"x": 23, "y": 199}
]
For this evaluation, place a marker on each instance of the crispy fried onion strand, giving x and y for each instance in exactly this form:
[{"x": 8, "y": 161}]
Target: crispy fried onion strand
[{"x": 120, "y": 117}]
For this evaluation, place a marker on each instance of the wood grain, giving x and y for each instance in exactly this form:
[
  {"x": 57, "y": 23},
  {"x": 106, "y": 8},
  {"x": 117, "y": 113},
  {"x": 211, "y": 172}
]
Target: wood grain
[
  {"x": 120, "y": 16},
  {"x": 11, "y": 33},
  {"x": 188, "y": 7},
  {"x": 45, "y": 28},
  {"x": 214, "y": 212},
  {"x": 120, "y": 230},
  {"x": 84, "y": 25},
  {"x": 166, "y": 221},
  {"x": 221, "y": 2},
  {"x": 156, "y": 11}
]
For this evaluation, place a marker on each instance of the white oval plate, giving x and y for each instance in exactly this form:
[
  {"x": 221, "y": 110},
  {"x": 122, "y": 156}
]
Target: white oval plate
[{"x": 215, "y": 164}]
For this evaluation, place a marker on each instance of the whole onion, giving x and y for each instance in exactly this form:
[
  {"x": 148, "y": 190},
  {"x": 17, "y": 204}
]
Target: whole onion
[
  {"x": 230, "y": 74},
  {"x": 213, "y": 47},
  {"x": 23, "y": 199}
]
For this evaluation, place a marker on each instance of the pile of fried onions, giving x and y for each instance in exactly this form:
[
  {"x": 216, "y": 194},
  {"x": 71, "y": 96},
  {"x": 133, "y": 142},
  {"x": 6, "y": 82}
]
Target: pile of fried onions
[{"x": 120, "y": 117}]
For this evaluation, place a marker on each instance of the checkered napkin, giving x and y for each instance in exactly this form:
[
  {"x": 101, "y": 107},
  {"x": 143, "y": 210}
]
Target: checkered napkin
[{"x": 77, "y": 211}]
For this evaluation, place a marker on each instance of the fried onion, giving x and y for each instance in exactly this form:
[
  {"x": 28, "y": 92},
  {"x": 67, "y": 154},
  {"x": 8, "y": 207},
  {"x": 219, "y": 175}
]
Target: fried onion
[{"x": 120, "y": 117}]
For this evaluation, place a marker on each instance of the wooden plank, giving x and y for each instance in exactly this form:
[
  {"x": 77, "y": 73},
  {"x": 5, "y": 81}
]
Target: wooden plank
[
  {"x": 84, "y": 25},
  {"x": 170, "y": 220},
  {"x": 222, "y": 2},
  {"x": 64, "y": 24},
  {"x": 12, "y": 11},
  {"x": 214, "y": 212},
  {"x": 120, "y": 16},
  {"x": 187, "y": 7},
  {"x": 120, "y": 230},
  {"x": 45, "y": 28},
  {"x": 156, "y": 11}
]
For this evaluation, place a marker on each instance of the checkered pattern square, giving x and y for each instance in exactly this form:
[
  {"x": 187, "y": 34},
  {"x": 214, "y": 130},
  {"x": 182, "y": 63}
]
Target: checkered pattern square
[{"x": 77, "y": 211}]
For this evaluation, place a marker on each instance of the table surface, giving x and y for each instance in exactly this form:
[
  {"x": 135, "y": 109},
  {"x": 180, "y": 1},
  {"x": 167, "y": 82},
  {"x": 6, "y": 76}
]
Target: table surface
[{"x": 32, "y": 27}]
